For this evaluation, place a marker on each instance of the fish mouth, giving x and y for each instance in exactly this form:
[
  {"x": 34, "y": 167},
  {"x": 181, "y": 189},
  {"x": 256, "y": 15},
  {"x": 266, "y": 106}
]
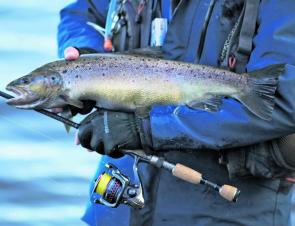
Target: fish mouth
[{"x": 24, "y": 99}]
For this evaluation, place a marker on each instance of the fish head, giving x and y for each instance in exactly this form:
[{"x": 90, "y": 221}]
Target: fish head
[{"x": 39, "y": 89}]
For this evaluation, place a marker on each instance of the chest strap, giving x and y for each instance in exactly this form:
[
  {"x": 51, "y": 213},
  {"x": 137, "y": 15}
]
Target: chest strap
[{"x": 238, "y": 46}]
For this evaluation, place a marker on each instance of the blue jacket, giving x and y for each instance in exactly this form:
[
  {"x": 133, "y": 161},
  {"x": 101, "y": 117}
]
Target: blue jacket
[
  {"x": 233, "y": 126},
  {"x": 274, "y": 43}
]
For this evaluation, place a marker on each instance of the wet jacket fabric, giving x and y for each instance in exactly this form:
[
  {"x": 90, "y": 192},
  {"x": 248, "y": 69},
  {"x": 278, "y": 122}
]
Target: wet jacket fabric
[{"x": 197, "y": 138}]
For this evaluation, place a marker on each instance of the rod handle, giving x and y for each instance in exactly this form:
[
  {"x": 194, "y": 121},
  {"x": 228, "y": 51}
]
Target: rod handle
[
  {"x": 185, "y": 173},
  {"x": 229, "y": 192}
]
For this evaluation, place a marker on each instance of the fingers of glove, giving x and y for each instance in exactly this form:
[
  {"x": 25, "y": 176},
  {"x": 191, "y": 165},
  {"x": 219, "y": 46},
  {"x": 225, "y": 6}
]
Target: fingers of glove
[
  {"x": 96, "y": 142},
  {"x": 85, "y": 135},
  {"x": 71, "y": 53},
  {"x": 88, "y": 105},
  {"x": 69, "y": 111},
  {"x": 112, "y": 149}
]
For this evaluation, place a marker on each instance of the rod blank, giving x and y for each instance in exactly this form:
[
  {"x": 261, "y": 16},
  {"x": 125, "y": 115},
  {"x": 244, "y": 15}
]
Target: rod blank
[{"x": 48, "y": 113}]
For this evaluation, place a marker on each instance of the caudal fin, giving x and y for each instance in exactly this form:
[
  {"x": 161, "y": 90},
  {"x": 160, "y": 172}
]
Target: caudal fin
[{"x": 259, "y": 95}]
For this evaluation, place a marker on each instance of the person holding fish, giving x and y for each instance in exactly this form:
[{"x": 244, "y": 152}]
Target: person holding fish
[{"x": 239, "y": 137}]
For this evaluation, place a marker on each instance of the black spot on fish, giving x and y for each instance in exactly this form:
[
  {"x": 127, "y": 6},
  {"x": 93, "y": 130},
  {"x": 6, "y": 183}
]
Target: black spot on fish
[
  {"x": 52, "y": 78},
  {"x": 195, "y": 75},
  {"x": 77, "y": 76},
  {"x": 77, "y": 66},
  {"x": 103, "y": 74},
  {"x": 64, "y": 71}
]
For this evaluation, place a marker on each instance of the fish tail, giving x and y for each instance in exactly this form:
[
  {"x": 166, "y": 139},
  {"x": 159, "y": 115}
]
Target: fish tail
[{"x": 259, "y": 94}]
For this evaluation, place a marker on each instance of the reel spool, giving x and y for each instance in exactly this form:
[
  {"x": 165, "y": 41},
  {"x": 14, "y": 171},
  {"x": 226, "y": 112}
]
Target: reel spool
[
  {"x": 113, "y": 188},
  {"x": 109, "y": 187}
]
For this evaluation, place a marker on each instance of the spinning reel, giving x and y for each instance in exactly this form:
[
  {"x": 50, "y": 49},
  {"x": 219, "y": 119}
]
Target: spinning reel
[{"x": 113, "y": 188}]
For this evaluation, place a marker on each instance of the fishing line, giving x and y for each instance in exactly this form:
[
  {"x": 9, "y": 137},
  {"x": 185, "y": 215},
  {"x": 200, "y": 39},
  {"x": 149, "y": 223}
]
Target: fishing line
[
  {"x": 44, "y": 112},
  {"x": 24, "y": 126}
]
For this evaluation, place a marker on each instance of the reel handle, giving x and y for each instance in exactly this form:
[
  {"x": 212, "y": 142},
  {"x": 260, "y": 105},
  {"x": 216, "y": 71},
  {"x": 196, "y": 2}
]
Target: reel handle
[{"x": 190, "y": 175}]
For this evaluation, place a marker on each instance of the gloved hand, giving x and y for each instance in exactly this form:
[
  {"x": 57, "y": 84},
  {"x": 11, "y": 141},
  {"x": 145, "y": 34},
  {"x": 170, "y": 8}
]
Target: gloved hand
[
  {"x": 108, "y": 131},
  {"x": 269, "y": 159}
]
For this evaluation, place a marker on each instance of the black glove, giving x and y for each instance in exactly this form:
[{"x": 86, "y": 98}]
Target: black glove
[
  {"x": 88, "y": 105},
  {"x": 267, "y": 159},
  {"x": 283, "y": 152},
  {"x": 108, "y": 131}
]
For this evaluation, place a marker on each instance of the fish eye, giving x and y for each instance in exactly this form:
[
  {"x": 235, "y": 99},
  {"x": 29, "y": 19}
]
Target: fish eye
[{"x": 53, "y": 79}]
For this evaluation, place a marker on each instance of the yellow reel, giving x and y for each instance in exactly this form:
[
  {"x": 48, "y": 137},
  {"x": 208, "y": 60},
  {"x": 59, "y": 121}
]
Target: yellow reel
[{"x": 102, "y": 184}]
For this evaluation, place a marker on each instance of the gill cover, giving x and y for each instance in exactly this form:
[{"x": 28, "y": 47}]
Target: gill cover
[{"x": 39, "y": 89}]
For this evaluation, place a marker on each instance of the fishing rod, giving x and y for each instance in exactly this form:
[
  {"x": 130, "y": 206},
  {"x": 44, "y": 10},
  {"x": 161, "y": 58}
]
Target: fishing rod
[
  {"x": 48, "y": 113},
  {"x": 113, "y": 188}
]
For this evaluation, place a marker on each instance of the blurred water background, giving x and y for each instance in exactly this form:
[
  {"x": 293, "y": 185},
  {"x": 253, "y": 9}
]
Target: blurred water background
[{"x": 44, "y": 177}]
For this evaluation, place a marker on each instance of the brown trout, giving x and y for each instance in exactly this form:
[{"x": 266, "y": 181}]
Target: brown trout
[{"x": 136, "y": 83}]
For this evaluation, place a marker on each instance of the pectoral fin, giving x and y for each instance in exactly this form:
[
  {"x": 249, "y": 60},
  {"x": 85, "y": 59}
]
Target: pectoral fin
[
  {"x": 73, "y": 102},
  {"x": 68, "y": 115},
  {"x": 67, "y": 127}
]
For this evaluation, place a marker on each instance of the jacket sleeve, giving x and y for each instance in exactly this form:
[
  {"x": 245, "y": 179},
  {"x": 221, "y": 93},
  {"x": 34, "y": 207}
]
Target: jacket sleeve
[
  {"x": 73, "y": 29},
  {"x": 234, "y": 126}
]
